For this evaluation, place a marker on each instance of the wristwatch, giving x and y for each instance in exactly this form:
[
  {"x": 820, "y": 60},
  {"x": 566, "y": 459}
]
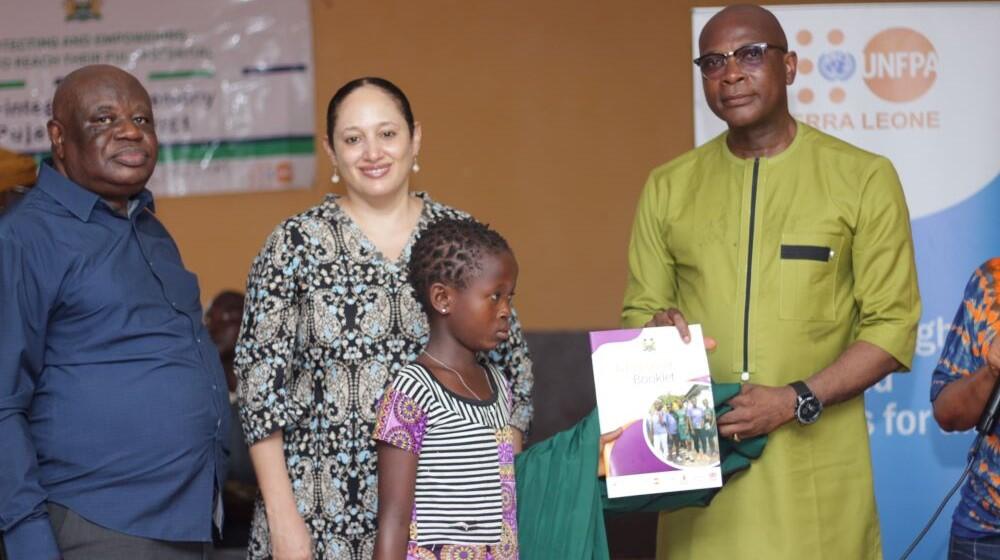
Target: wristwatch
[{"x": 807, "y": 406}]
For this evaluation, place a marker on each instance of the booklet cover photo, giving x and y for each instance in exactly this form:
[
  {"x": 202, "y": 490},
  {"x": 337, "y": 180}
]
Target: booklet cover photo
[{"x": 657, "y": 388}]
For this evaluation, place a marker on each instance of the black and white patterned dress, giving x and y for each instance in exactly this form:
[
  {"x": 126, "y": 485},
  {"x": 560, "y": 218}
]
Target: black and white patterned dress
[{"x": 328, "y": 322}]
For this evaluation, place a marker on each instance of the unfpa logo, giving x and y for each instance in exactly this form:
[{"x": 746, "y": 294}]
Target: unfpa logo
[
  {"x": 284, "y": 172},
  {"x": 836, "y": 66},
  {"x": 82, "y": 10},
  {"x": 900, "y": 64},
  {"x": 897, "y": 65}
]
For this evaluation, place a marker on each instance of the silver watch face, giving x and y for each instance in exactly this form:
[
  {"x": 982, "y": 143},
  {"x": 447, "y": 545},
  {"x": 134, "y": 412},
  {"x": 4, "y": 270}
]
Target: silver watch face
[{"x": 808, "y": 409}]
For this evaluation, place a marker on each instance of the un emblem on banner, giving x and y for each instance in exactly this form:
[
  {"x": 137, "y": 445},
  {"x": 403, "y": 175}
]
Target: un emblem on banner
[
  {"x": 836, "y": 66},
  {"x": 82, "y": 10}
]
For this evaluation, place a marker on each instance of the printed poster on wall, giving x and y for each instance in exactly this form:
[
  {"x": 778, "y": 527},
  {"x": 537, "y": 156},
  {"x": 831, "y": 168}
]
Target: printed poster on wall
[
  {"x": 231, "y": 83},
  {"x": 907, "y": 81}
]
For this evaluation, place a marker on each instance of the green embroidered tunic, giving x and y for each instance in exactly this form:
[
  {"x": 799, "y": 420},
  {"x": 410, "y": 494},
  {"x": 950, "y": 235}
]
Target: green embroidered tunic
[{"x": 786, "y": 261}]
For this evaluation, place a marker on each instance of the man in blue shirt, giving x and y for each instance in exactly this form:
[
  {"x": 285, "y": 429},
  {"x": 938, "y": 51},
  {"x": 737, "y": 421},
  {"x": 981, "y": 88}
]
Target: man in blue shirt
[
  {"x": 696, "y": 415},
  {"x": 113, "y": 403}
]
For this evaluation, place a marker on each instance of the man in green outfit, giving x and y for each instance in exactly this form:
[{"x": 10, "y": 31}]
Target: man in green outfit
[{"x": 793, "y": 250}]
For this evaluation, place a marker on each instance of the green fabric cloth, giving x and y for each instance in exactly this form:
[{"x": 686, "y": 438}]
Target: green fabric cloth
[
  {"x": 561, "y": 502},
  {"x": 830, "y": 263}
]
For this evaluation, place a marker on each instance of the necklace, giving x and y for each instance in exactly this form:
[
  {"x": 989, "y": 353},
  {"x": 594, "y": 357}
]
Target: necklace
[{"x": 459, "y": 375}]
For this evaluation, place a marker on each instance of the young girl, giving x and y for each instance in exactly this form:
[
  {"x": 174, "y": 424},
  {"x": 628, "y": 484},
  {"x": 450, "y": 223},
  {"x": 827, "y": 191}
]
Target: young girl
[{"x": 445, "y": 450}]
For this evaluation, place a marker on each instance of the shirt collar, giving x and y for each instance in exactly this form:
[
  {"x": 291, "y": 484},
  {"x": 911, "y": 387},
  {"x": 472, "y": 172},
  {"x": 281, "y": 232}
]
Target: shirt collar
[{"x": 77, "y": 199}]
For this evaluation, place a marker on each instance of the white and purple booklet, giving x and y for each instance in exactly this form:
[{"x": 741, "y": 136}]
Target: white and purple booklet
[{"x": 657, "y": 388}]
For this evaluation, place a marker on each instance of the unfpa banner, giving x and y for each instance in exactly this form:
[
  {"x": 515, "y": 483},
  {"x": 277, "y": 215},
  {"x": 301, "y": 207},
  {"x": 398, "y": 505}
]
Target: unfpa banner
[
  {"x": 908, "y": 81},
  {"x": 231, "y": 83}
]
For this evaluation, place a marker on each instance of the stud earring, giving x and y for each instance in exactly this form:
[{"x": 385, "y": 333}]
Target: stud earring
[
  {"x": 416, "y": 166},
  {"x": 336, "y": 176}
]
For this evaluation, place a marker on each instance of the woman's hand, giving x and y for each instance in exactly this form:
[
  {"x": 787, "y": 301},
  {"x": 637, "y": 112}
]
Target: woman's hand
[
  {"x": 602, "y": 469},
  {"x": 290, "y": 538}
]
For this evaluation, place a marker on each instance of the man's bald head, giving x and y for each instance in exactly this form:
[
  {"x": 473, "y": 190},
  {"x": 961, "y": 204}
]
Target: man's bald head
[
  {"x": 749, "y": 91},
  {"x": 79, "y": 80},
  {"x": 761, "y": 20},
  {"x": 102, "y": 132}
]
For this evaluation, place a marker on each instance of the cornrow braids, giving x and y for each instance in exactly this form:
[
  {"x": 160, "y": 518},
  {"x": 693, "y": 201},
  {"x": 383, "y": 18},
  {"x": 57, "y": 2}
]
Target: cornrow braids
[{"x": 449, "y": 251}]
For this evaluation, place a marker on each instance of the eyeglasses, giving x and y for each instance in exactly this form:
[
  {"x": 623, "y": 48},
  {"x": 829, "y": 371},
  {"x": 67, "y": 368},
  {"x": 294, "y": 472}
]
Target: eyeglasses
[{"x": 749, "y": 57}]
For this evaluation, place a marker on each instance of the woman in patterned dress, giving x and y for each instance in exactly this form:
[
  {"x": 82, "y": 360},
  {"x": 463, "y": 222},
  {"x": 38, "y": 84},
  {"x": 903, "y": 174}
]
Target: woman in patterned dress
[{"x": 329, "y": 319}]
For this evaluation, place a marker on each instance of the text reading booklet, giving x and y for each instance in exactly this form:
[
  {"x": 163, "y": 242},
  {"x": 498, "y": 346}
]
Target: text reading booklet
[{"x": 657, "y": 388}]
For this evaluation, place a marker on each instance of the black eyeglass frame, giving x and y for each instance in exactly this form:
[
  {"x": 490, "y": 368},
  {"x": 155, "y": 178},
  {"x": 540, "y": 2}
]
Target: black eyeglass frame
[{"x": 764, "y": 46}]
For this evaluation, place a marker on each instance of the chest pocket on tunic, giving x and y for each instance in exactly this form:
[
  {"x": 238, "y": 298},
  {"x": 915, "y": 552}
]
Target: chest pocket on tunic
[{"x": 809, "y": 276}]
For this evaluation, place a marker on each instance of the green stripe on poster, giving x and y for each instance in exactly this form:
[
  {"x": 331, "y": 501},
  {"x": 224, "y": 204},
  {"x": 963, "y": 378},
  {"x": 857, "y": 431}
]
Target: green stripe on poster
[
  {"x": 12, "y": 84},
  {"x": 179, "y": 74},
  {"x": 291, "y": 146}
]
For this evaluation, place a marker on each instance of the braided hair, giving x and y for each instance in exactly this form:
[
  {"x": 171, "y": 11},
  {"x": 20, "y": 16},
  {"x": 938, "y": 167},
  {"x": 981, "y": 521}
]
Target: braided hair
[{"x": 449, "y": 251}]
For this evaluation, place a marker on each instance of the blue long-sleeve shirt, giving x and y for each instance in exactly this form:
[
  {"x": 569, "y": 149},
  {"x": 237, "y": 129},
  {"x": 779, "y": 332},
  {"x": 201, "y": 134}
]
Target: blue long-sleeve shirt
[{"x": 113, "y": 402}]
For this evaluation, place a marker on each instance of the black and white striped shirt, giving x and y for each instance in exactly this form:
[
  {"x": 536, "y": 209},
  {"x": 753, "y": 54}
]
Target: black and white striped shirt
[{"x": 465, "y": 475}]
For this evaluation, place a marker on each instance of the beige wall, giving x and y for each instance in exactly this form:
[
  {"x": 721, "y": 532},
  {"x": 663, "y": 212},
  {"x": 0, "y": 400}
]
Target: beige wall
[{"x": 541, "y": 117}]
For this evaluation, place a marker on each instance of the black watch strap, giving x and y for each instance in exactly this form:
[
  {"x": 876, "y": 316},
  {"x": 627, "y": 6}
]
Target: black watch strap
[
  {"x": 807, "y": 406},
  {"x": 801, "y": 389}
]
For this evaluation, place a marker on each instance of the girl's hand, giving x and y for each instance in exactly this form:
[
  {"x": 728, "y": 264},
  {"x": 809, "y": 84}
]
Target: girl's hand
[
  {"x": 602, "y": 469},
  {"x": 290, "y": 538}
]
